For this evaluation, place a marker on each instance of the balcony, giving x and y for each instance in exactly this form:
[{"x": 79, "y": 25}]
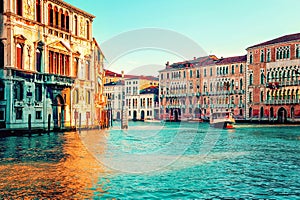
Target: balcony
[
  {"x": 54, "y": 79},
  {"x": 281, "y": 102}
]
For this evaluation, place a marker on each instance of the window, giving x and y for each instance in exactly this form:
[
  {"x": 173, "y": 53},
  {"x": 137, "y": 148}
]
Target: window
[
  {"x": 250, "y": 97},
  {"x": 262, "y": 78},
  {"x": 198, "y": 73},
  {"x": 87, "y": 30},
  {"x": 19, "y": 6},
  {"x": 2, "y": 90},
  {"x": 191, "y": 74},
  {"x": 1, "y": 55},
  {"x": 19, "y": 113},
  {"x": 184, "y": 75},
  {"x": 76, "y": 25},
  {"x": 38, "y": 11},
  {"x": 204, "y": 72},
  {"x": 67, "y": 21},
  {"x": 297, "y": 51},
  {"x": 241, "y": 84},
  {"x": 2, "y": 115},
  {"x": 76, "y": 96},
  {"x": 268, "y": 55},
  {"x": 241, "y": 69},
  {"x": 38, "y": 92},
  {"x": 262, "y": 55},
  {"x": 162, "y": 77},
  {"x": 232, "y": 69},
  {"x": 38, "y": 57},
  {"x": 261, "y": 96},
  {"x": 18, "y": 91},
  {"x": 62, "y": 19},
  {"x": 88, "y": 76},
  {"x": 19, "y": 56},
  {"x": 38, "y": 114},
  {"x": 50, "y": 14},
  {"x": 210, "y": 71},
  {"x": 283, "y": 52},
  {"x": 55, "y": 17},
  {"x": 251, "y": 79},
  {"x": 250, "y": 58},
  {"x": 88, "y": 97}
]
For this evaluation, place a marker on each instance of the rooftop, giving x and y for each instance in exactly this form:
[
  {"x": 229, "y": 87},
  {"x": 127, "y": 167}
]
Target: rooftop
[
  {"x": 229, "y": 60},
  {"x": 286, "y": 38}
]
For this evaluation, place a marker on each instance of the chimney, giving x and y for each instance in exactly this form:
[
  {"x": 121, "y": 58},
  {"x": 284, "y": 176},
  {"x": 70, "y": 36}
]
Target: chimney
[
  {"x": 167, "y": 64},
  {"x": 122, "y": 72}
]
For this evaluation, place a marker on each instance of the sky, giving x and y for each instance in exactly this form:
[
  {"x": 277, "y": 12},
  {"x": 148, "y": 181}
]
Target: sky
[{"x": 220, "y": 27}]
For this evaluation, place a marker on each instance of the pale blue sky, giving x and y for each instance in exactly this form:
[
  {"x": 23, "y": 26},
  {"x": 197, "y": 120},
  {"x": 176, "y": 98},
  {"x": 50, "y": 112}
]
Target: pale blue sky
[{"x": 220, "y": 27}]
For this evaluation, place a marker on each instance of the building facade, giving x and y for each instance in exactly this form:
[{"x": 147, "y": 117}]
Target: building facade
[
  {"x": 142, "y": 97},
  {"x": 44, "y": 47},
  {"x": 273, "y": 80}
]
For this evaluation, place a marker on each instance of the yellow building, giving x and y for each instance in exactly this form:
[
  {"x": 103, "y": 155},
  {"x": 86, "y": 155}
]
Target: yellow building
[{"x": 45, "y": 46}]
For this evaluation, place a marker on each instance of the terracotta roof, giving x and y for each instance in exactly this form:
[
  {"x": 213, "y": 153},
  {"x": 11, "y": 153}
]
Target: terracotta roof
[
  {"x": 229, "y": 60},
  {"x": 110, "y": 73},
  {"x": 282, "y": 39},
  {"x": 201, "y": 61}
]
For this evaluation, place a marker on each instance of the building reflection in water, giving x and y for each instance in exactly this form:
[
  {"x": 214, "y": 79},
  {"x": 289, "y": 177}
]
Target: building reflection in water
[{"x": 49, "y": 166}]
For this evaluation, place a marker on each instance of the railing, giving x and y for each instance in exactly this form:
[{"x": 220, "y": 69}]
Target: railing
[{"x": 282, "y": 101}]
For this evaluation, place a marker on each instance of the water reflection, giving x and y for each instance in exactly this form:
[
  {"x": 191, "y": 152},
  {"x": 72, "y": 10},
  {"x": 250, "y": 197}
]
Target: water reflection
[{"x": 48, "y": 166}]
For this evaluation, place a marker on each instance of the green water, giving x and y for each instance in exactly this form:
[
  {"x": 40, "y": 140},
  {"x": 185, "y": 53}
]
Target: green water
[{"x": 154, "y": 161}]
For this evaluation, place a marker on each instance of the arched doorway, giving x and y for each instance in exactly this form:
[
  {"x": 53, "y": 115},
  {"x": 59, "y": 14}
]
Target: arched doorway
[
  {"x": 134, "y": 115},
  {"x": 58, "y": 111},
  {"x": 118, "y": 116},
  {"x": 142, "y": 115},
  {"x": 176, "y": 115},
  {"x": 250, "y": 113},
  {"x": 272, "y": 114},
  {"x": 261, "y": 113},
  {"x": 293, "y": 113},
  {"x": 282, "y": 115},
  {"x": 197, "y": 113}
]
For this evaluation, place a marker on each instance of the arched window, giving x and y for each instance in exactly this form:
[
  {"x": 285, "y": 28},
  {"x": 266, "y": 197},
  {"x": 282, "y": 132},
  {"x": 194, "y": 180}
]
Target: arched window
[
  {"x": 262, "y": 56},
  {"x": 250, "y": 97},
  {"x": 76, "y": 25},
  {"x": 62, "y": 19},
  {"x": 56, "y": 24},
  {"x": 251, "y": 58},
  {"x": 50, "y": 15},
  {"x": 1, "y": 55},
  {"x": 268, "y": 95},
  {"x": 38, "y": 55},
  {"x": 19, "y": 57},
  {"x": 38, "y": 11},
  {"x": 87, "y": 30},
  {"x": 268, "y": 55},
  {"x": 261, "y": 112},
  {"x": 191, "y": 74},
  {"x": 241, "y": 69},
  {"x": 261, "y": 96},
  {"x": 19, "y": 7},
  {"x": 262, "y": 78},
  {"x": 241, "y": 84},
  {"x": 250, "y": 112},
  {"x": 251, "y": 79},
  {"x": 67, "y": 21},
  {"x": 297, "y": 51},
  {"x": 88, "y": 72}
]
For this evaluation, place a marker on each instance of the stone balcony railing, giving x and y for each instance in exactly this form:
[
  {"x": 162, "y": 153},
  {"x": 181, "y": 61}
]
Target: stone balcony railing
[{"x": 282, "y": 101}]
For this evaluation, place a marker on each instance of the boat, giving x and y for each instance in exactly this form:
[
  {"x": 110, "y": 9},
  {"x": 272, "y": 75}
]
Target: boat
[
  {"x": 152, "y": 120},
  {"x": 222, "y": 120}
]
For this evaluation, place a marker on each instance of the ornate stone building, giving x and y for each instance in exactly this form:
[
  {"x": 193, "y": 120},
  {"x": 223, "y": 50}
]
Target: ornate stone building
[
  {"x": 44, "y": 47},
  {"x": 273, "y": 80}
]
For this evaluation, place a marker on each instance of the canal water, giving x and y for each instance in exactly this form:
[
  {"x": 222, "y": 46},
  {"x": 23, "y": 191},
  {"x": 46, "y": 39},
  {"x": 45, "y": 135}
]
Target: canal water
[{"x": 154, "y": 161}]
